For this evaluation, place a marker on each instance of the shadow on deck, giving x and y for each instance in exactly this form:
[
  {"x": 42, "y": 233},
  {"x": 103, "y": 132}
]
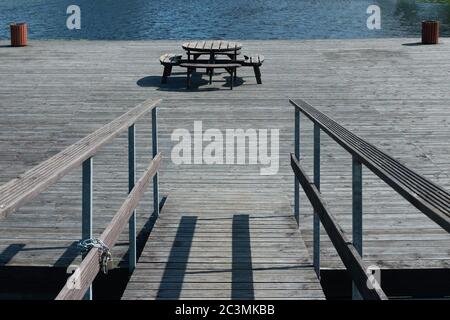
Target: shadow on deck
[{"x": 177, "y": 82}]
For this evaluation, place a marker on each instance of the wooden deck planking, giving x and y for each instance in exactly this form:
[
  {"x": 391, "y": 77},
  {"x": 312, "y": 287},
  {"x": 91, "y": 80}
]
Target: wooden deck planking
[
  {"x": 193, "y": 254},
  {"x": 392, "y": 95}
]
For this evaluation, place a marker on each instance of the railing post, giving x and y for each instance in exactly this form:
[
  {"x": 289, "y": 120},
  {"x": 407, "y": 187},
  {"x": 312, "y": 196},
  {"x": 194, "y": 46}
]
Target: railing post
[
  {"x": 297, "y": 155},
  {"x": 316, "y": 220},
  {"x": 357, "y": 217},
  {"x": 155, "y": 152},
  {"x": 86, "y": 213},
  {"x": 131, "y": 182}
]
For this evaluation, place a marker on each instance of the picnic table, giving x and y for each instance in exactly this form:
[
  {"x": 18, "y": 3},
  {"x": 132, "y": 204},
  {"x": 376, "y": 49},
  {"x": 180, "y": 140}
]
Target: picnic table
[{"x": 214, "y": 49}]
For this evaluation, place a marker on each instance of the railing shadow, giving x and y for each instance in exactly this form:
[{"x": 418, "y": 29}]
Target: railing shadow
[
  {"x": 242, "y": 271},
  {"x": 175, "y": 270},
  {"x": 69, "y": 255},
  {"x": 146, "y": 230},
  {"x": 8, "y": 254},
  {"x": 143, "y": 235}
]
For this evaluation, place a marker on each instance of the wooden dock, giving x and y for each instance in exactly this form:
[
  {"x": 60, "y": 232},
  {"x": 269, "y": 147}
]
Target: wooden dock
[{"x": 223, "y": 225}]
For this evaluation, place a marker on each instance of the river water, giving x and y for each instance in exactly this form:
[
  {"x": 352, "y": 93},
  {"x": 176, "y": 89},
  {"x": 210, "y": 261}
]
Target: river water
[{"x": 219, "y": 19}]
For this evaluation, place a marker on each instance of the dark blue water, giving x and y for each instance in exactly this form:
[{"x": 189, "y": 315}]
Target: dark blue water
[{"x": 231, "y": 19}]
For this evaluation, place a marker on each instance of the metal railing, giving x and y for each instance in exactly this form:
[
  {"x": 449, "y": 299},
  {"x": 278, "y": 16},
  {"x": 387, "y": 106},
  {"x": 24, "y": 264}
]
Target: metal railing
[
  {"x": 426, "y": 196},
  {"x": 79, "y": 284},
  {"x": 29, "y": 185}
]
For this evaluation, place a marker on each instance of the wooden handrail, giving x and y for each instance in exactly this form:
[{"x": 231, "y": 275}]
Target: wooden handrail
[
  {"x": 349, "y": 256},
  {"x": 428, "y": 197},
  {"x": 90, "y": 266},
  {"x": 30, "y": 184}
]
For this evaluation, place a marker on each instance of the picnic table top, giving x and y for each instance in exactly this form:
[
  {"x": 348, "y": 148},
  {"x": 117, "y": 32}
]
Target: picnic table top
[{"x": 212, "y": 46}]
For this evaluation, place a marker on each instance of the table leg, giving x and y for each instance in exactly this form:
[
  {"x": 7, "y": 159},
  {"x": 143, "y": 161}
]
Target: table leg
[
  {"x": 166, "y": 73},
  {"x": 257, "y": 74},
  {"x": 188, "y": 80},
  {"x": 235, "y": 69},
  {"x": 231, "y": 78},
  {"x": 195, "y": 56},
  {"x": 211, "y": 71}
]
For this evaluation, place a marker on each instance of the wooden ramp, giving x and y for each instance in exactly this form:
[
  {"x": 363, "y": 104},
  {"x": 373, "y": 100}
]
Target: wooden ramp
[
  {"x": 217, "y": 248},
  {"x": 226, "y": 231}
]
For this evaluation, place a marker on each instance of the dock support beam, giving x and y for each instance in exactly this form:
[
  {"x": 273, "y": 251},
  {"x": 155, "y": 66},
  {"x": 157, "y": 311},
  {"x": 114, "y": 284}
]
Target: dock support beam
[
  {"x": 86, "y": 212},
  {"x": 357, "y": 215},
  {"x": 297, "y": 155},
  {"x": 316, "y": 219},
  {"x": 131, "y": 182},
  {"x": 155, "y": 152}
]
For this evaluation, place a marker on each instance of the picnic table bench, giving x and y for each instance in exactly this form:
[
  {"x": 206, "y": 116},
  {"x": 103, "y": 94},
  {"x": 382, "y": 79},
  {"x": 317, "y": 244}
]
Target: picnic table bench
[
  {"x": 229, "y": 67},
  {"x": 168, "y": 60},
  {"x": 256, "y": 62}
]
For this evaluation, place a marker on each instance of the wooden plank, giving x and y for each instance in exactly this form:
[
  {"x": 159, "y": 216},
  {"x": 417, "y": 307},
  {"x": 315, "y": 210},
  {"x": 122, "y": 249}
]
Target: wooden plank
[
  {"x": 200, "y": 45},
  {"x": 89, "y": 267}
]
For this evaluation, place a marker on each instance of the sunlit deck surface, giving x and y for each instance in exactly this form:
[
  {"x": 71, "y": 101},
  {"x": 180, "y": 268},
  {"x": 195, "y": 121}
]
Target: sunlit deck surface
[{"x": 220, "y": 219}]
